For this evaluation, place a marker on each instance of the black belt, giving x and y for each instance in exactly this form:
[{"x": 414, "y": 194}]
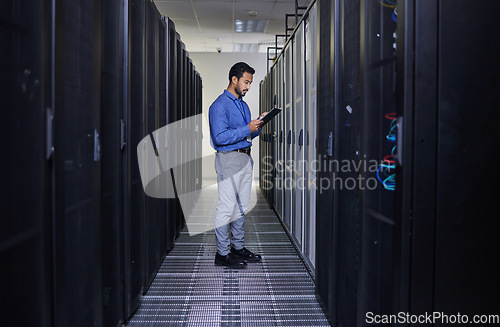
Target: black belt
[{"x": 244, "y": 150}]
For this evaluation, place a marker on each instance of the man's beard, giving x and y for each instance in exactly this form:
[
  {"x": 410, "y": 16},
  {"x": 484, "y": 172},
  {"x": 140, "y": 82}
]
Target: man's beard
[{"x": 239, "y": 92}]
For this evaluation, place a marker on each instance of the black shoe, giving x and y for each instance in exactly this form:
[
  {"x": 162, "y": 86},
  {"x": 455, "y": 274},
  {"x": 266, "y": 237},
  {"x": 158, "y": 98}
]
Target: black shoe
[
  {"x": 230, "y": 261},
  {"x": 246, "y": 255}
]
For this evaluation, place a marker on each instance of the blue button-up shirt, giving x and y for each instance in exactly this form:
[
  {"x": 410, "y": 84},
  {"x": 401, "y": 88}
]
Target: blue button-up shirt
[{"x": 229, "y": 118}]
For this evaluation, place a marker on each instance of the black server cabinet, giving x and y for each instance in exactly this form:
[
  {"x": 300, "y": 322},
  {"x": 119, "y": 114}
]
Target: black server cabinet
[
  {"x": 113, "y": 157},
  {"x": 150, "y": 126},
  {"x": 325, "y": 201},
  {"x": 163, "y": 215},
  {"x": 173, "y": 204},
  {"x": 199, "y": 151},
  {"x": 77, "y": 239},
  {"x": 346, "y": 185},
  {"x": 176, "y": 178},
  {"x": 380, "y": 230},
  {"x": 449, "y": 107},
  {"x": 183, "y": 144},
  {"x": 262, "y": 138},
  {"x": 179, "y": 143},
  {"x": 25, "y": 98},
  {"x": 134, "y": 198},
  {"x": 189, "y": 128}
]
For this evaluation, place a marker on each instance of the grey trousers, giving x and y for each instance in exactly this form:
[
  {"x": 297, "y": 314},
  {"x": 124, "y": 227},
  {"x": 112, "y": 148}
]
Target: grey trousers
[{"x": 234, "y": 184}]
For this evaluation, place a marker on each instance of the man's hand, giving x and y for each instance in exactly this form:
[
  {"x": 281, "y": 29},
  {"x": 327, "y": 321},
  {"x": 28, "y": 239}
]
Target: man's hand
[
  {"x": 255, "y": 125},
  {"x": 262, "y": 115}
]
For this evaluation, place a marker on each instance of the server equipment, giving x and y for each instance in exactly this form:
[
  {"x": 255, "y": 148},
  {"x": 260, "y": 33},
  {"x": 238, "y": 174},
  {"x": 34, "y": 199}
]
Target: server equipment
[
  {"x": 26, "y": 218},
  {"x": 379, "y": 161},
  {"x": 134, "y": 241},
  {"x": 288, "y": 143},
  {"x": 113, "y": 142},
  {"x": 83, "y": 82}
]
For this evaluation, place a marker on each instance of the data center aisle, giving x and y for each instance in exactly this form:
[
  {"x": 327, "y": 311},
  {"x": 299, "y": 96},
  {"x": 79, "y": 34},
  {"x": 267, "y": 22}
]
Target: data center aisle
[{"x": 190, "y": 290}]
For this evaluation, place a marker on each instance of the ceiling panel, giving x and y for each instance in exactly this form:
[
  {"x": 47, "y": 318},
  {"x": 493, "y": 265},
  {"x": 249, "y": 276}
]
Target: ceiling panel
[
  {"x": 214, "y": 9},
  {"x": 280, "y": 9},
  {"x": 263, "y": 10},
  {"x": 210, "y": 25},
  {"x": 276, "y": 26},
  {"x": 185, "y": 26},
  {"x": 175, "y": 9},
  {"x": 223, "y": 24}
]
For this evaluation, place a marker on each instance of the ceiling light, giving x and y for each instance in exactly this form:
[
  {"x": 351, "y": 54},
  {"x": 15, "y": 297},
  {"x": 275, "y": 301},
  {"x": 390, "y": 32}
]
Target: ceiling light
[
  {"x": 250, "y": 25},
  {"x": 252, "y": 13},
  {"x": 245, "y": 47}
]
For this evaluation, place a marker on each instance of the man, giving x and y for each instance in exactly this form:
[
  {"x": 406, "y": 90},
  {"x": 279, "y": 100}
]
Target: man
[{"x": 231, "y": 134}]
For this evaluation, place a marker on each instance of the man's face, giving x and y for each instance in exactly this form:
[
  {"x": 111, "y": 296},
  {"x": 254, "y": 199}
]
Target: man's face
[{"x": 243, "y": 84}]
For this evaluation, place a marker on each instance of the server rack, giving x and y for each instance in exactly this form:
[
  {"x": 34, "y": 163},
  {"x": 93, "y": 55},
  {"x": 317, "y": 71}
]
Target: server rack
[
  {"x": 286, "y": 141},
  {"x": 453, "y": 239},
  {"x": 178, "y": 140},
  {"x": 280, "y": 159},
  {"x": 151, "y": 127},
  {"x": 199, "y": 136},
  {"x": 395, "y": 84},
  {"x": 77, "y": 111},
  {"x": 310, "y": 170},
  {"x": 190, "y": 144},
  {"x": 173, "y": 204},
  {"x": 113, "y": 158},
  {"x": 298, "y": 81},
  {"x": 347, "y": 148},
  {"x": 265, "y": 178},
  {"x": 134, "y": 242},
  {"x": 81, "y": 89},
  {"x": 163, "y": 209},
  {"x": 273, "y": 138},
  {"x": 325, "y": 200},
  {"x": 381, "y": 231},
  {"x": 27, "y": 111},
  {"x": 287, "y": 128}
]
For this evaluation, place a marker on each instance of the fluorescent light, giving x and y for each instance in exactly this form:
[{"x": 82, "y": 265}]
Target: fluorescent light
[
  {"x": 246, "y": 47},
  {"x": 250, "y": 25}
]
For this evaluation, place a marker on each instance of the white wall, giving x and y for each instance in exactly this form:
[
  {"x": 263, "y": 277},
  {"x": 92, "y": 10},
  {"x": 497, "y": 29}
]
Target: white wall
[{"x": 214, "y": 71}]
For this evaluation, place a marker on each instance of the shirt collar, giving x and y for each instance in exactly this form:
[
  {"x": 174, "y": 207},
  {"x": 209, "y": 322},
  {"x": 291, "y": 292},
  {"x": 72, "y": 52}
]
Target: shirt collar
[{"x": 231, "y": 96}]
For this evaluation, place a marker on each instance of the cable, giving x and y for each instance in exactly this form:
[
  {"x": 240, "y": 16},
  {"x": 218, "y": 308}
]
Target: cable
[
  {"x": 389, "y": 162},
  {"x": 386, "y": 5},
  {"x": 389, "y": 158},
  {"x": 389, "y": 182},
  {"x": 391, "y": 116}
]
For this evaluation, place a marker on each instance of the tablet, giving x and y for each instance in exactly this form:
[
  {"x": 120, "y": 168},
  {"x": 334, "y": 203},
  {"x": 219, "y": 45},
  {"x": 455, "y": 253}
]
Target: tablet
[{"x": 270, "y": 115}]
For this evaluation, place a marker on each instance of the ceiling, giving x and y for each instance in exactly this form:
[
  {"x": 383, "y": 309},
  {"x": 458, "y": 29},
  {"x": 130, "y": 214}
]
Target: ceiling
[{"x": 209, "y": 25}]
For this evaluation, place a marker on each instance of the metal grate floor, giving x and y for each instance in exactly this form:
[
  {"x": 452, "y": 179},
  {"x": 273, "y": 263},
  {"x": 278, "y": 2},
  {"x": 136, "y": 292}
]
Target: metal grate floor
[{"x": 189, "y": 290}]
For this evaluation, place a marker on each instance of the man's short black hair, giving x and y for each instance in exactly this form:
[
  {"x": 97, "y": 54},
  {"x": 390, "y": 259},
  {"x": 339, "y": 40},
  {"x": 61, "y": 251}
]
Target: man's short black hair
[{"x": 239, "y": 69}]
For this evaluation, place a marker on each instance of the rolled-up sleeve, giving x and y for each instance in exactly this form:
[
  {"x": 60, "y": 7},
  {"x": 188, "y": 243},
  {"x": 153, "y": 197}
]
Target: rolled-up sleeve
[
  {"x": 255, "y": 134},
  {"x": 219, "y": 126}
]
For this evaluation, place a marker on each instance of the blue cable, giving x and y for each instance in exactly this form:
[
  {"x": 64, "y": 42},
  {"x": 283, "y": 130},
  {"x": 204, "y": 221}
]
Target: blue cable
[
  {"x": 389, "y": 182},
  {"x": 393, "y": 166},
  {"x": 378, "y": 176}
]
